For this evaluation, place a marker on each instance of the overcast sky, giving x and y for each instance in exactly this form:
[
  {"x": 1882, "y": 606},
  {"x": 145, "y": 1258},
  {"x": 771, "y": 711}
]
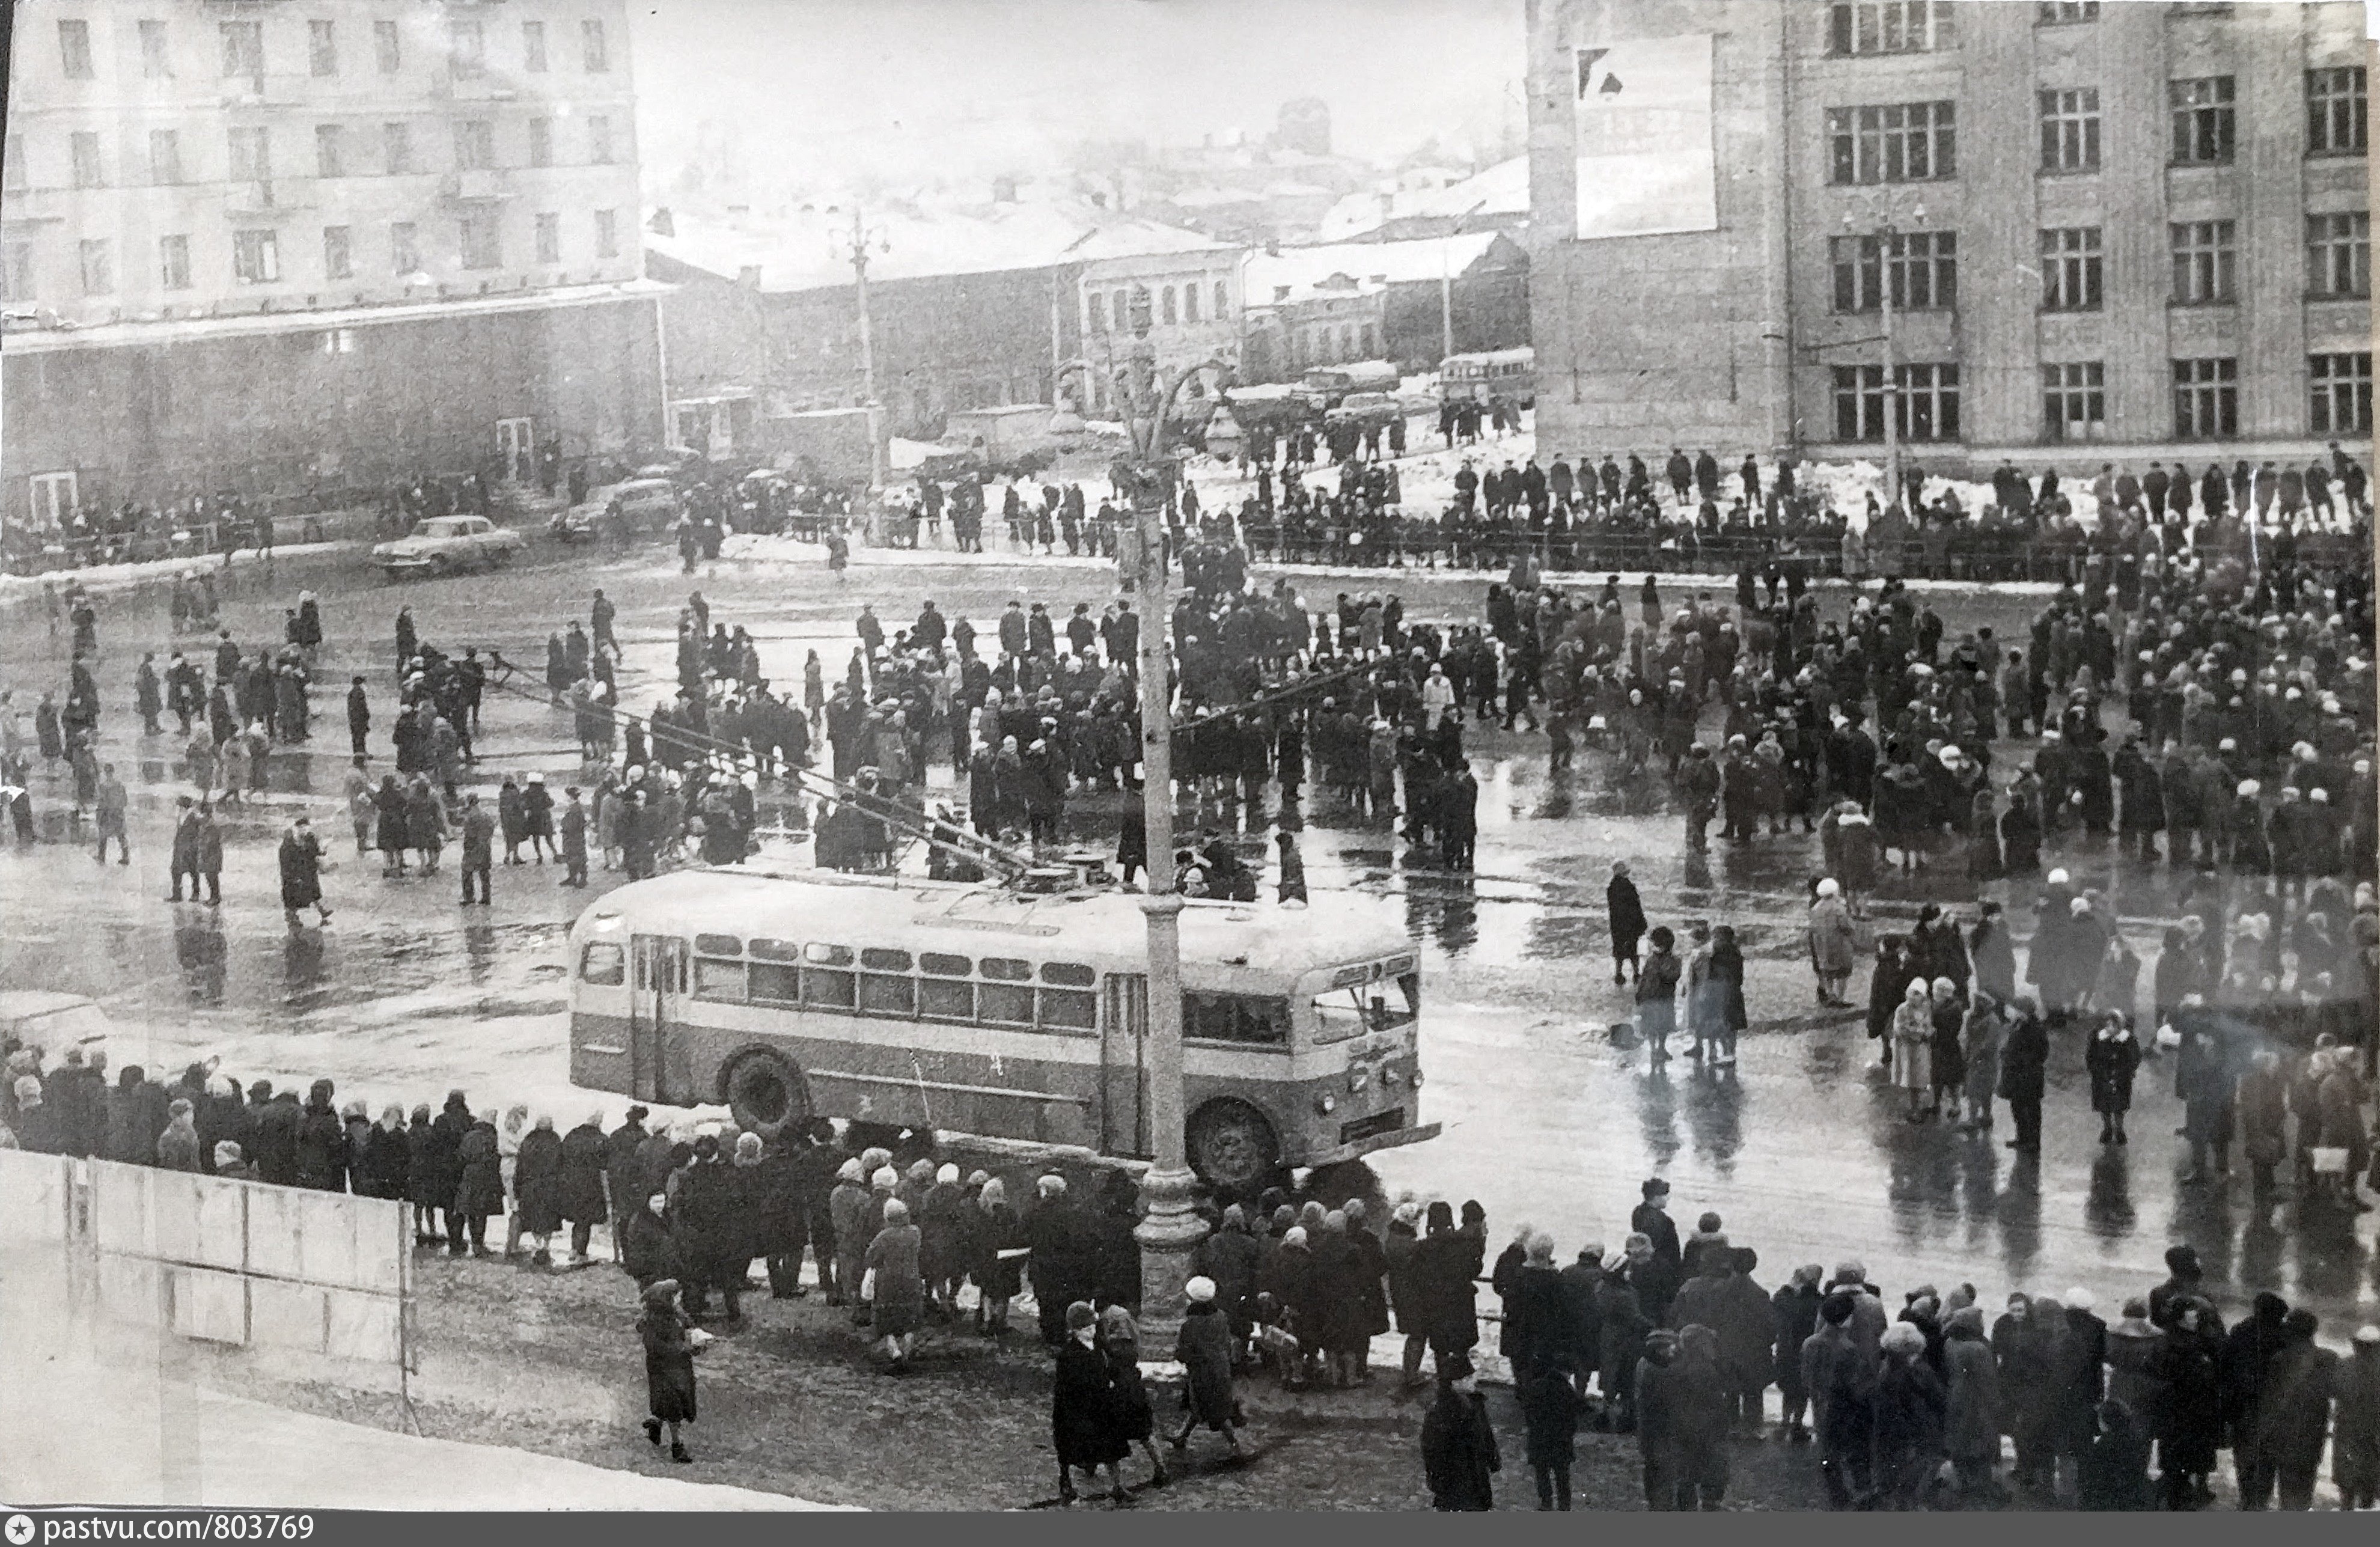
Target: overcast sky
[{"x": 903, "y": 90}]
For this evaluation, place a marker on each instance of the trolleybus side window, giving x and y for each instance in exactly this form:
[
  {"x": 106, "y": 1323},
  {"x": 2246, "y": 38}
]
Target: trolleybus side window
[
  {"x": 717, "y": 946},
  {"x": 885, "y": 986},
  {"x": 718, "y": 970},
  {"x": 1009, "y": 1002},
  {"x": 1076, "y": 1007},
  {"x": 1230, "y": 1018},
  {"x": 774, "y": 978},
  {"x": 827, "y": 979},
  {"x": 946, "y": 991},
  {"x": 602, "y": 964}
]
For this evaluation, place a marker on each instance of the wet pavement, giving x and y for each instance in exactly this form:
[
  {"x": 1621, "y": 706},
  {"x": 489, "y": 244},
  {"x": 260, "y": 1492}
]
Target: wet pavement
[{"x": 1799, "y": 1148}]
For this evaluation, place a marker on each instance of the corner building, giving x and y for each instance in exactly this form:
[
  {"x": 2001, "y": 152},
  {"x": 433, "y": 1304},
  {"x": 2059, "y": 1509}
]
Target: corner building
[
  {"x": 2110, "y": 232},
  {"x": 299, "y": 251}
]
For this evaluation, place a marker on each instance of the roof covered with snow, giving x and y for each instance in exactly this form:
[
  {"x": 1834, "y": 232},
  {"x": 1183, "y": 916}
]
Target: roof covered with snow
[
  {"x": 811, "y": 249},
  {"x": 1302, "y": 269},
  {"x": 1501, "y": 189}
]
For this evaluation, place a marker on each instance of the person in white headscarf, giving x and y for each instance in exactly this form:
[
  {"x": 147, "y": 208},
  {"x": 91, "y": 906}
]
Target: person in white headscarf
[{"x": 1834, "y": 943}]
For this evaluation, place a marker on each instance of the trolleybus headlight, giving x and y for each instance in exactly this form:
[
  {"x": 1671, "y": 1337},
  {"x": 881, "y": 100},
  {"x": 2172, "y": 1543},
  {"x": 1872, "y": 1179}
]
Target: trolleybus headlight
[
  {"x": 1325, "y": 1106},
  {"x": 1357, "y": 1079},
  {"x": 1388, "y": 1077},
  {"x": 1416, "y": 1076}
]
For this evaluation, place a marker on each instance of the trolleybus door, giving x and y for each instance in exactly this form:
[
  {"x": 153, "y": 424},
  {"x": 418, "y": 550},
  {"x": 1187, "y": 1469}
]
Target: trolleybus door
[
  {"x": 658, "y": 977},
  {"x": 1123, "y": 1074}
]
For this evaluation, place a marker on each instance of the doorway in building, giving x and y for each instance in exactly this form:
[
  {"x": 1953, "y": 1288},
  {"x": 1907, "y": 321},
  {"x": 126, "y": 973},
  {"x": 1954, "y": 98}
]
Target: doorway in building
[{"x": 516, "y": 449}]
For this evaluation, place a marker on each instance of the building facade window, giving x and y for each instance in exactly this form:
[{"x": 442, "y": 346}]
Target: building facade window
[
  {"x": 2338, "y": 255},
  {"x": 2207, "y": 398},
  {"x": 541, "y": 142},
  {"x": 1123, "y": 303},
  {"x": 599, "y": 138},
  {"x": 17, "y": 272},
  {"x": 329, "y": 150},
  {"x": 1189, "y": 304},
  {"x": 322, "y": 48},
  {"x": 174, "y": 262},
  {"x": 533, "y": 47},
  {"x": 403, "y": 248},
  {"x": 396, "y": 147},
  {"x": 243, "y": 52},
  {"x": 592, "y": 45},
  {"x": 338, "y": 258},
  {"x": 2336, "y": 112},
  {"x": 156, "y": 53},
  {"x": 2205, "y": 119},
  {"x": 549, "y": 239},
  {"x": 1887, "y": 27},
  {"x": 1899, "y": 142},
  {"x": 252, "y": 156},
  {"x": 2060, "y": 13},
  {"x": 1171, "y": 312},
  {"x": 388, "y": 47},
  {"x": 2069, "y": 129},
  {"x": 74, "y": 49},
  {"x": 2343, "y": 393},
  {"x": 1924, "y": 408},
  {"x": 478, "y": 239},
  {"x": 13, "y": 174},
  {"x": 164, "y": 157},
  {"x": 2074, "y": 401},
  {"x": 1923, "y": 266},
  {"x": 1223, "y": 300},
  {"x": 98, "y": 267},
  {"x": 2206, "y": 262},
  {"x": 2072, "y": 277},
  {"x": 466, "y": 48},
  {"x": 83, "y": 148},
  {"x": 255, "y": 257},
  {"x": 607, "y": 233},
  {"x": 475, "y": 145}
]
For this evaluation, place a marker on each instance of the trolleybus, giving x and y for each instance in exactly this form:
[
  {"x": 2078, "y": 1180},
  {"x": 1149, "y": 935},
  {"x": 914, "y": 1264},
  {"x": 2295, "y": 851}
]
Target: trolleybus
[
  {"x": 976, "y": 1009},
  {"x": 1511, "y": 374}
]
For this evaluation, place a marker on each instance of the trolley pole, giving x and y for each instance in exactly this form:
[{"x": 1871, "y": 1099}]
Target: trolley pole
[{"x": 1170, "y": 1227}]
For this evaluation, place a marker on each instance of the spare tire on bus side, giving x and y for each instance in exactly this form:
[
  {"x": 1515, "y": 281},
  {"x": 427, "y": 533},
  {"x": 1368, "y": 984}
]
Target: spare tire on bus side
[
  {"x": 766, "y": 1094},
  {"x": 1233, "y": 1146}
]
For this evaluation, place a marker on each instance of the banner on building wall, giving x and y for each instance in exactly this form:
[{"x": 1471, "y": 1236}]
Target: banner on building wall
[{"x": 1648, "y": 154}]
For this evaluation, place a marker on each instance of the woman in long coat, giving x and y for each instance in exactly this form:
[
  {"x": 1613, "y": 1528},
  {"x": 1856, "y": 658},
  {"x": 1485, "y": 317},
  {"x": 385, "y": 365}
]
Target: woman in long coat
[
  {"x": 1913, "y": 1038},
  {"x": 537, "y": 1182},
  {"x": 1082, "y": 1427},
  {"x": 2192, "y": 1427},
  {"x": 1834, "y": 943},
  {"x": 425, "y": 822},
  {"x": 388, "y": 832},
  {"x": 2111, "y": 1058},
  {"x": 479, "y": 1187},
  {"x": 1204, "y": 1349},
  {"x": 579, "y": 1187},
  {"x": 898, "y": 1294},
  {"x": 1135, "y": 1417},
  {"x": 668, "y": 1337},
  {"x": 1944, "y": 1053},
  {"x": 1980, "y": 1036},
  {"x": 1970, "y": 1435}
]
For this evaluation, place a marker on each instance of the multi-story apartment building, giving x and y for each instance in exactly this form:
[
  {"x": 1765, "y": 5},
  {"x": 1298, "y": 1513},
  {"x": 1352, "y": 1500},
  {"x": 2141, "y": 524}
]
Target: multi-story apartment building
[
  {"x": 1193, "y": 304},
  {"x": 285, "y": 247},
  {"x": 2142, "y": 227}
]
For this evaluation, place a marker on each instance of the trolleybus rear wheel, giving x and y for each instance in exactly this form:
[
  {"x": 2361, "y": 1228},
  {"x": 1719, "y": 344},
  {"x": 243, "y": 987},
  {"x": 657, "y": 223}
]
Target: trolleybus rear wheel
[
  {"x": 1233, "y": 1146},
  {"x": 767, "y": 1095}
]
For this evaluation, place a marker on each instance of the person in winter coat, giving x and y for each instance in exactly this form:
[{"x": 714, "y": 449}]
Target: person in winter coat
[
  {"x": 1458, "y": 1453},
  {"x": 713, "y": 1225},
  {"x": 579, "y": 1185},
  {"x": 647, "y": 1248},
  {"x": 2290, "y": 1421},
  {"x": 897, "y": 1294},
  {"x": 2029, "y": 1343},
  {"x": 386, "y": 1166},
  {"x": 2112, "y": 1472},
  {"x": 1981, "y": 1033},
  {"x": 1135, "y": 1417},
  {"x": 1970, "y": 1432},
  {"x": 1083, "y": 1410},
  {"x": 2135, "y": 1367},
  {"x": 302, "y": 872},
  {"x": 178, "y": 1147},
  {"x": 2110, "y": 1058},
  {"x": 1910, "y": 1407},
  {"x": 1207, "y": 1351},
  {"x": 1538, "y": 1330},
  {"x": 2190, "y": 1368},
  {"x": 1795, "y": 1306},
  {"x": 478, "y": 1188},
  {"x": 1656, "y": 995},
  {"x": 537, "y": 1182},
  {"x": 2024, "y": 1061},
  {"x": 668, "y": 1335},
  {"x": 321, "y": 1154},
  {"x": 2355, "y": 1436},
  {"x": 1443, "y": 1265},
  {"x": 1834, "y": 943},
  {"x": 1913, "y": 1038},
  {"x": 1724, "y": 1298},
  {"x": 1627, "y": 922}
]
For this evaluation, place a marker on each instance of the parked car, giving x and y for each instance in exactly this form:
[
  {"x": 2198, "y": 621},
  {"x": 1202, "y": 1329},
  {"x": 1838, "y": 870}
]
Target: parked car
[
  {"x": 448, "y": 545},
  {"x": 1366, "y": 409}
]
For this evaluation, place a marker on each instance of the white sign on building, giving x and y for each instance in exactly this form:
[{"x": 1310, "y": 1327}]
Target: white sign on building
[{"x": 1648, "y": 159}]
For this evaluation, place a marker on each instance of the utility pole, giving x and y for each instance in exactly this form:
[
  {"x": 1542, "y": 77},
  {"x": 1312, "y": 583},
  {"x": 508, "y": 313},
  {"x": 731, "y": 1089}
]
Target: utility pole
[
  {"x": 1170, "y": 1225},
  {"x": 857, "y": 242}
]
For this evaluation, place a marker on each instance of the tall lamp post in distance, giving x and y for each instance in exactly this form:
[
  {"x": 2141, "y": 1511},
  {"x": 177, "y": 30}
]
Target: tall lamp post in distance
[
  {"x": 852, "y": 247},
  {"x": 1886, "y": 229},
  {"x": 1170, "y": 1225}
]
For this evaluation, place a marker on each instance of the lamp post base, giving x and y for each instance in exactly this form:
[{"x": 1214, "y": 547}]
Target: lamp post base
[{"x": 1168, "y": 1232}]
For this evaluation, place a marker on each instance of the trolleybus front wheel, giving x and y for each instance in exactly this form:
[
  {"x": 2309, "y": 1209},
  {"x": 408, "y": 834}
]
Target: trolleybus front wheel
[
  {"x": 767, "y": 1095},
  {"x": 1233, "y": 1146}
]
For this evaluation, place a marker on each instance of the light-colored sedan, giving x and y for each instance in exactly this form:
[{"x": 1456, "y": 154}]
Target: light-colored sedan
[{"x": 448, "y": 545}]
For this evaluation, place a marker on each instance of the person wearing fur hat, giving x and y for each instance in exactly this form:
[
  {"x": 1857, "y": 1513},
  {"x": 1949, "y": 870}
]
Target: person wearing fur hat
[
  {"x": 670, "y": 1346},
  {"x": 1206, "y": 1348},
  {"x": 897, "y": 1290},
  {"x": 1082, "y": 1427}
]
